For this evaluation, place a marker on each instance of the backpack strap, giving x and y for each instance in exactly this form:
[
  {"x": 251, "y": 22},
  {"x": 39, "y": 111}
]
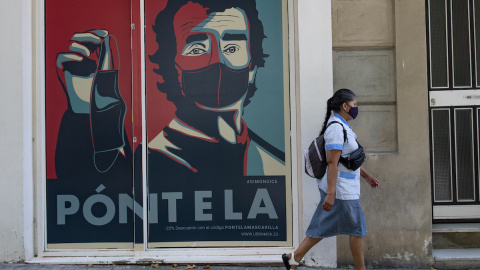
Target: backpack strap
[{"x": 344, "y": 131}]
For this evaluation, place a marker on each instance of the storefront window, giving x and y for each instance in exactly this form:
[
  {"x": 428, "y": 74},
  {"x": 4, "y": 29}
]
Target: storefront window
[{"x": 218, "y": 149}]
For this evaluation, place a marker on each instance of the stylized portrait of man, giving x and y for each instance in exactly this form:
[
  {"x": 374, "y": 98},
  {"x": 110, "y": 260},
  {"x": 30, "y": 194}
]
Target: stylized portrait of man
[{"x": 208, "y": 56}]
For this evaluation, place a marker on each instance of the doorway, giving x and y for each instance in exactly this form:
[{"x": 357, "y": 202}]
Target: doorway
[{"x": 454, "y": 99}]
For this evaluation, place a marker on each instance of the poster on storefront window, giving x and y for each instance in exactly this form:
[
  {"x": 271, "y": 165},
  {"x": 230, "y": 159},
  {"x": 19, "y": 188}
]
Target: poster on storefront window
[
  {"x": 218, "y": 126},
  {"x": 88, "y": 101},
  {"x": 218, "y": 150}
]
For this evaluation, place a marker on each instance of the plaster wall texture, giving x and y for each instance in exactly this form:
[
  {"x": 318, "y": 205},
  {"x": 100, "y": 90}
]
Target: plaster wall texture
[
  {"x": 362, "y": 23},
  {"x": 371, "y": 74},
  {"x": 398, "y": 213},
  {"x": 316, "y": 84},
  {"x": 11, "y": 134}
]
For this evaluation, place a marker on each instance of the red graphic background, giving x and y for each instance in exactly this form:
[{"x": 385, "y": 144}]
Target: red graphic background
[
  {"x": 160, "y": 111},
  {"x": 62, "y": 20}
]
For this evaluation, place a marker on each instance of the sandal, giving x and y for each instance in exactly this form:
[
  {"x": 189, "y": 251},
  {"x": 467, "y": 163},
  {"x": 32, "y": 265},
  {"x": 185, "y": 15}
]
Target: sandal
[{"x": 288, "y": 262}]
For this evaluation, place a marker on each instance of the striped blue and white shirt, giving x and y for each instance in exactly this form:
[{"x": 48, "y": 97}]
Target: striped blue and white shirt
[{"x": 348, "y": 181}]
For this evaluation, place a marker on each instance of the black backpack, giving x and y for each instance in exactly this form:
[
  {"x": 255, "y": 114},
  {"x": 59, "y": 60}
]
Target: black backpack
[{"x": 316, "y": 157}]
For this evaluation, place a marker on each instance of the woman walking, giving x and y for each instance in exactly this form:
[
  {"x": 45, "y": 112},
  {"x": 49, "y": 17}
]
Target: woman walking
[{"x": 339, "y": 211}]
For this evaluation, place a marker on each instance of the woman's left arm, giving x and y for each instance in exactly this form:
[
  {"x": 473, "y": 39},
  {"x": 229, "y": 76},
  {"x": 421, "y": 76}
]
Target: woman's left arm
[{"x": 371, "y": 180}]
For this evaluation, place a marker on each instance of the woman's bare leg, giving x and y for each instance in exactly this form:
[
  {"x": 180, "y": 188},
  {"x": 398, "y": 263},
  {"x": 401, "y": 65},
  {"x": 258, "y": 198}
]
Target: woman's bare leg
[
  {"x": 304, "y": 247},
  {"x": 356, "y": 246}
]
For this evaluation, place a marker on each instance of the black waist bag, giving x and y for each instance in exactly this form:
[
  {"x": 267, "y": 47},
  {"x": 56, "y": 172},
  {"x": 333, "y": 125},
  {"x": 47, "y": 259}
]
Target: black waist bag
[{"x": 355, "y": 159}]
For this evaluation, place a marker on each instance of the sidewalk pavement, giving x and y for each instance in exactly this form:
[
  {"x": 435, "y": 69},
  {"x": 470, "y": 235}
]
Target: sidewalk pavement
[{"x": 154, "y": 267}]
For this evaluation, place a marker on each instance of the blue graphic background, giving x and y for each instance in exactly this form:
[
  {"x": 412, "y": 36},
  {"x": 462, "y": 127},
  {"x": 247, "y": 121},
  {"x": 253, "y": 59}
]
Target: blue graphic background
[{"x": 265, "y": 114}]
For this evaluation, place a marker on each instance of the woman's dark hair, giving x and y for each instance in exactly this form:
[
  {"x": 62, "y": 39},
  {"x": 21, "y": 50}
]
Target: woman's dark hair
[
  {"x": 167, "y": 49},
  {"x": 335, "y": 103}
]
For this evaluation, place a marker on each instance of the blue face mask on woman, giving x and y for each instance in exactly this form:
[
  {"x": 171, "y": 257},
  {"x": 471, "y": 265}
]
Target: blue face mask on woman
[{"x": 353, "y": 112}]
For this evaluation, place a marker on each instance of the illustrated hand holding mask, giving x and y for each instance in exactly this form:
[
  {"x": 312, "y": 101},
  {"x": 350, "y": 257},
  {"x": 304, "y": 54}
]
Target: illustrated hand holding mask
[{"x": 90, "y": 81}]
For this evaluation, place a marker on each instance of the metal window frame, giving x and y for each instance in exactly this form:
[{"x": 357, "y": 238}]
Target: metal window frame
[
  {"x": 430, "y": 48},
  {"x": 433, "y": 151},
  {"x": 478, "y": 150},
  {"x": 469, "y": 46},
  {"x": 472, "y": 154},
  {"x": 477, "y": 81}
]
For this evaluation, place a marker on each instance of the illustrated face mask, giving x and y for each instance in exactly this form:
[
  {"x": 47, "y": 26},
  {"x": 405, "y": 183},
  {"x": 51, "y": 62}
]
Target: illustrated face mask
[
  {"x": 107, "y": 115},
  {"x": 107, "y": 109},
  {"x": 215, "y": 85}
]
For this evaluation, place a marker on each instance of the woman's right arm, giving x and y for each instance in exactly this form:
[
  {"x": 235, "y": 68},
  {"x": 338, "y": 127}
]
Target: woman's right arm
[{"x": 333, "y": 156}]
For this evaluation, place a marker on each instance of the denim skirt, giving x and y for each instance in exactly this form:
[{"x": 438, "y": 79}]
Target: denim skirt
[{"x": 346, "y": 217}]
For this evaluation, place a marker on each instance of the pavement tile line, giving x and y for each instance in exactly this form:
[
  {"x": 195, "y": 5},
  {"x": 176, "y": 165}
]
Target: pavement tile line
[
  {"x": 140, "y": 267},
  {"x": 8, "y": 266}
]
